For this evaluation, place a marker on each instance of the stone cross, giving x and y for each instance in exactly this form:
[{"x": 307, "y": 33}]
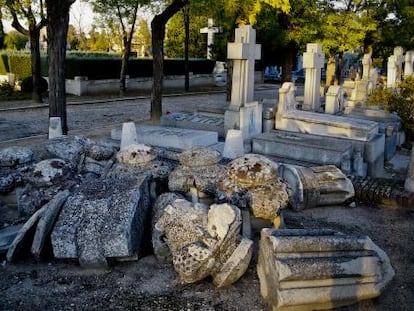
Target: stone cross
[
  {"x": 244, "y": 51},
  {"x": 210, "y": 30},
  {"x": 409, "y": 59},
  {"x": 366, "y": 66},
  {"x": 313, "y": 62},
  {"x": 394, "y": 67}
]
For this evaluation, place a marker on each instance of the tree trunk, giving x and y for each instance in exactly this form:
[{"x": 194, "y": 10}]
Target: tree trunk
[
  {"x": 158, "y": 33},
  {"x": 338, "y": 73},
  {"x": 124, "y": 68},
  {"x": 58, "y": 22},
  {"x": 36, "y": 68},
  {"x": 186, "y": 14},
  {"x": 287, "y": 65}
]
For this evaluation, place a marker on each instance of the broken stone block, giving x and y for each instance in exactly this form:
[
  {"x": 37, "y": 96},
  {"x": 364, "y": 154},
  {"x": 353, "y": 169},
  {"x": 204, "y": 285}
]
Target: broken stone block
[
  {"x": 70, "y": 148},
  {"x": 103, "y": 219},
  {"x": 48, "y": 170},
  {"x": 198, "y": 174},
  {"x": 13, "y": 156},
  {"x": 316, "y": 186},
  {"x": 302, "y": 269},
  {"x": 252, "y": 182},
  {"x": 205, "y": 241}
]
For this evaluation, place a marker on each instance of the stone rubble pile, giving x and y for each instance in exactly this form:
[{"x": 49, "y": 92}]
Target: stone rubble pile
[{"x": 90, "y": 202}]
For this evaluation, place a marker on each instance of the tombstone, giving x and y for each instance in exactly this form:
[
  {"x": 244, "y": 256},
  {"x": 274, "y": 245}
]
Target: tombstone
[
  {"x": 55, "y": 127},
  {"x": 210, "y": 30},
  {"x": 243, "y": 113},
  {"x": 409, "y": 59},
  {"x": 366, "y": 64},
  {"x": 335, "y": 100},
  {"x": 394, "y": 67},
  {"x": 313, "y": 62}
]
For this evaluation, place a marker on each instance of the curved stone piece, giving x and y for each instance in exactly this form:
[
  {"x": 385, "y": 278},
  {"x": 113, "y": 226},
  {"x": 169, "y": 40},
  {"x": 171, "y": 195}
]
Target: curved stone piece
[
  {"x": 252, "y": 182},
  {"x": 202, "y": 156},
  {"x": 251, "y": 170},
  {"x": 316, "y": 186},
  {"x": 205, "y": 241},
  {"x": 136, "y": 154},
  {"x": 13, "y": 156},
  {"x": 302, "y": 269}
]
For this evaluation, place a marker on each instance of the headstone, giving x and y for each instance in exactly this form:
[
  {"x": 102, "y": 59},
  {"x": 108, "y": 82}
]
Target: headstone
[
  {"x": 313, "y": 62},
  {"x": 366, "y": 66},
  {"x": 394, "y": 67},
  {"x": 244, "y": 114},
  {"x": 210, "y": 30},
  {"x": 55, "y": 127},
  {"x": 129, "y": 134},
  {"x": 169, "y": 137},
  {"x": 304, "y": 269},
  {"x": 233, "y": 147},
  {"x": 244, "y": 51},
  {"x": 334, "y": 100},
  {"x": 409, "y": 60},
  {"x": 409, "y": 181}
]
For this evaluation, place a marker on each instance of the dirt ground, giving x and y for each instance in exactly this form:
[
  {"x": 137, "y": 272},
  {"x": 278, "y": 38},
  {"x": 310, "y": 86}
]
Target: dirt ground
[{"x": 145, "y": 285}]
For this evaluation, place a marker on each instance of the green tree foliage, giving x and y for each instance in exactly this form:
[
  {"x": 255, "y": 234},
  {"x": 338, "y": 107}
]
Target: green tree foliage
[
  {"x": 174, "y": 42},
  {"x": 14, "y": 40},
  {"x": 142, "y": 38},
  {"x": 121, "y": 15},
  {"x": 102, "y": 40},
  {"x": 28, "y": 18}
]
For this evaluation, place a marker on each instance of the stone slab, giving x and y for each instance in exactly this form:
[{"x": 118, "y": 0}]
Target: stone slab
[
  {"x": 195, "y": 121},
  {"x": 308, "y": 148},
  {"x": 102, "y": 220},
  {"x": 170, "y": 137}
]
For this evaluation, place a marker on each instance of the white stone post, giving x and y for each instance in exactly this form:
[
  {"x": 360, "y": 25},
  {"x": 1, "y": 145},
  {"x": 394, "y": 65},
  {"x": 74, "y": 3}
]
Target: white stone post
[
  {"x": 409, "y": 59},
  {"x": 313, "y": 62},
  {"x": 210, "y": 30},
  {"x": 129, "y": 134},
  {"x": 55, "y": 127},
  {"x": 394, "y": 67},
  {"x": 366, "y": 66}
]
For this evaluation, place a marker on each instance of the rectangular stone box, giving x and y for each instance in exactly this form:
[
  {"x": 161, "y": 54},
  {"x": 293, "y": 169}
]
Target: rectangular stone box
[{"x": 312, "y": 149}]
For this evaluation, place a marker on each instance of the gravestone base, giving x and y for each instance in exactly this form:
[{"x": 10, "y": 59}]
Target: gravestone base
[{"x": 247, "y": 119}]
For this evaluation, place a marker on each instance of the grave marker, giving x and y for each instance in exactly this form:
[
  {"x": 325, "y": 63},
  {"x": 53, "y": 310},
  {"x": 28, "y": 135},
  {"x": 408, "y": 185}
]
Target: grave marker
[
  {"x": 210, "y": 30},
  {"x": 313, "y": 62},
  {"x": 394, "y": 67}
]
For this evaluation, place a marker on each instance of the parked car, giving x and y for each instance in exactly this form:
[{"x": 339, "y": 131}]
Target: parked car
[
  {"x": 298, "y": 76},
  {"x": 271, "y": 74}
]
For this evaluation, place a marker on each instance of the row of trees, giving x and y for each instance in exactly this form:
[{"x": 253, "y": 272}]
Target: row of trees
[{"x": 283, "y": 28}]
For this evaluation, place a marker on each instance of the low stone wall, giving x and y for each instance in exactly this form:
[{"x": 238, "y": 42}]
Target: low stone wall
[{"x": 82, "y": 86}]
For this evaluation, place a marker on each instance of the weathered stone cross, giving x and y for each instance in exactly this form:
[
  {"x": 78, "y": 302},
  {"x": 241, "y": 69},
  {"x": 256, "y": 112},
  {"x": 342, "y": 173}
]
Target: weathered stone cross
[
  {"x": 210, "y": 30},
  {"x": 244, "y": 51},
  {"x": 313, "y": 62}
]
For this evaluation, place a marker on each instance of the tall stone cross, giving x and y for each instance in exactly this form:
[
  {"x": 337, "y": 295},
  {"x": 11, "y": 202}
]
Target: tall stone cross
[
  {"x": 313, "y": 62},
  {"x": 210, "y": 30},
  {"x": 244, "y": 51},
  {"x": 394, "y": 67}
]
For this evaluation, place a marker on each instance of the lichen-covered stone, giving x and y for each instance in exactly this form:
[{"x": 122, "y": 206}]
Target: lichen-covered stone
[
  {"x": 100, "y": 151},
  {"x": 205, "y": 241},
  {"x": 136, "y": 154},
  {"x": 70, "y": 148},
  {"x": 48, "y": 170},
  {"x": 199, "y": 157},
  {"x": 252, "y": 182},
  {"x": 13, "y": 156}
]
